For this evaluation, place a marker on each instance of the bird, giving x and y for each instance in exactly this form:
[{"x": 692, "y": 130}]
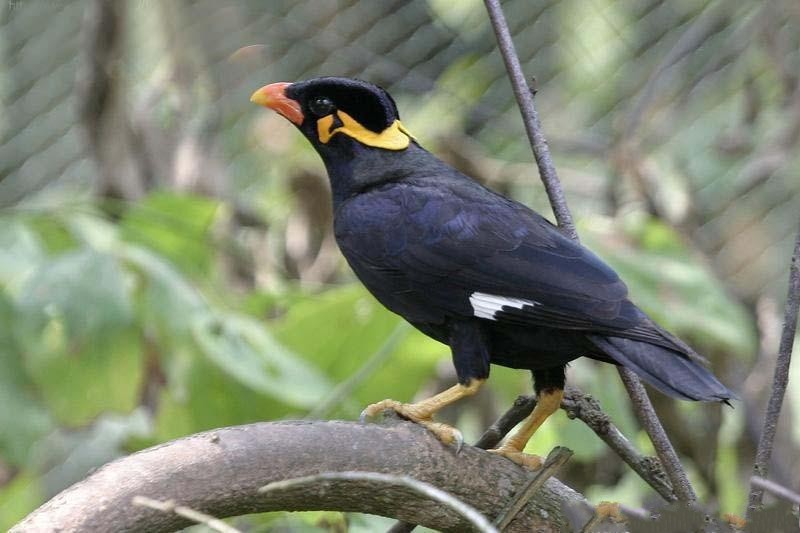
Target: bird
[{"x": 489, "y": 277}]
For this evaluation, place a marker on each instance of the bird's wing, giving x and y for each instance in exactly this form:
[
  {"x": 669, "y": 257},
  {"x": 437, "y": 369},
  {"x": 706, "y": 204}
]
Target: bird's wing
[{"x": 463, "y": 250}]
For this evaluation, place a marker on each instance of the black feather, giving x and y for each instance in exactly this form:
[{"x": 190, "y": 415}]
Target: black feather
[{"x": 671, "y": 372}]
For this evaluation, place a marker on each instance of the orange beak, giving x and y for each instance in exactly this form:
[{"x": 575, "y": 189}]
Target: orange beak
[{"x": 274, "y": 97}]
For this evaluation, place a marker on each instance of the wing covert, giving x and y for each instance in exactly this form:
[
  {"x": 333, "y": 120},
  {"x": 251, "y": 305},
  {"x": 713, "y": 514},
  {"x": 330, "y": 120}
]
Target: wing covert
[{"x": 436, "y": 242}]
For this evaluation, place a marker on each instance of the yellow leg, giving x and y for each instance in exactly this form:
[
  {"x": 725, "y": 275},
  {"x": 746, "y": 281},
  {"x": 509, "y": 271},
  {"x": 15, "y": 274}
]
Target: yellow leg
[
  {"x": 422, "y": 412},
  {"x": 547, "y": 403}
]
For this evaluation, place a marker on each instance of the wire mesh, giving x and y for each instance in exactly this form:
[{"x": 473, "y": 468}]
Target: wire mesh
[{"x": 690, "y": 108}]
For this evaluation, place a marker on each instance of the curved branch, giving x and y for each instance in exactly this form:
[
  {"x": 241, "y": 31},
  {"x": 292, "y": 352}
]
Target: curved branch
[
  {"x": 474, "y": 517},
  {"x": 219, "y": 473}
]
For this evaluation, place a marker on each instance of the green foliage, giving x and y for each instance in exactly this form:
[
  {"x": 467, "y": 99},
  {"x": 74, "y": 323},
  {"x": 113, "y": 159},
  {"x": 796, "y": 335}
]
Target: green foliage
[
  {"x": 97, "y": 317},
  {"x": 22, "y": 495},
  {"x": 96, "y": 313},
  {"x": 174, "y": 226},
  {"x": 674, "y": 288},
  {"x": 350, "y": 326},
  {"x": 115, "y": 335},
  {"x": 241, "y": 347}
]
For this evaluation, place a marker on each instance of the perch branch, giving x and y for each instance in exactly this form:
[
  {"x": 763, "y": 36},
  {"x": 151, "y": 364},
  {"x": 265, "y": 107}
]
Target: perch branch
[
  {"x": 429, "y": 491},
  {"x": 219, "y": 473},
  {"x": 780, "y": 380},
  {"x": 642, "y": 405},
  {"x": 522, "y": 407},
  {"x": 576, "y": 405}
]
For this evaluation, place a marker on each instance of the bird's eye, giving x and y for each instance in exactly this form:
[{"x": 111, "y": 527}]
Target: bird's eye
[{"x": 321, "y": 106}]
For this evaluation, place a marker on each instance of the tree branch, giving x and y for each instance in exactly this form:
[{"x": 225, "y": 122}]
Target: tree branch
[
  {"x": 219, "y": 473},
  {"x": 778, "y": 490},
  {"x": 780, "y": 381},
  {"x": 642, "y": 405},
  {"x": 530, "y": 117},
  {"x": 652, "y": 425},
  {"x": 519, "y": 411},
  {"x": 587, "y": 409}
]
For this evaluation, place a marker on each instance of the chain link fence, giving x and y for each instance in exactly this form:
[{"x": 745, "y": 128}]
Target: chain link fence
[{"x": 689, "y": 110}]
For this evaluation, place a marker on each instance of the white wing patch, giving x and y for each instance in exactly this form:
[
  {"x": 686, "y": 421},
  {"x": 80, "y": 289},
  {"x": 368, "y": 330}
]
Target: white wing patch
[{"x": 488, "y": 305}]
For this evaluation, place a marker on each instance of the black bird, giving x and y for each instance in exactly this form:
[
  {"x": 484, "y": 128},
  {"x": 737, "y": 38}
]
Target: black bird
[{"x": 479, "y": 272}]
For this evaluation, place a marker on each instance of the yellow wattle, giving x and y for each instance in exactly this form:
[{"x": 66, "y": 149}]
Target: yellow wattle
[{"x": 394, "y": 137}]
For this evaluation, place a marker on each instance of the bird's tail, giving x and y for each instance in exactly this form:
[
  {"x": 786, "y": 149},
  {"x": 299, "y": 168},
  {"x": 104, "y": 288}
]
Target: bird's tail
[{"x": 670, "y": 371}]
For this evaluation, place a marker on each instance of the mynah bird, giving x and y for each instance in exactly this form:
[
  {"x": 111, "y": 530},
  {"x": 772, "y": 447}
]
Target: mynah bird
[{"x": 479, "y": 272}]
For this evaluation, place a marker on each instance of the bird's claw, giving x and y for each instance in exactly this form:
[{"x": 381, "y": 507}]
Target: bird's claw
[
  {"x": 528, "y": 460},
  {"x": 374, "y": 409},
  {"x": 610, "y": 510},
  {"x": 446, "y": 434},
  {"x": 459, "y": 440}
]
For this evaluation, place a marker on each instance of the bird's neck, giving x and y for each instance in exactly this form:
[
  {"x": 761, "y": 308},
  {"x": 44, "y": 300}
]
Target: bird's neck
[{"x": 353, "y": 167}]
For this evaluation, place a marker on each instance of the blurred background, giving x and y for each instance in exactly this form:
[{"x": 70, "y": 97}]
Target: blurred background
[{"x": 166, "y": 257}]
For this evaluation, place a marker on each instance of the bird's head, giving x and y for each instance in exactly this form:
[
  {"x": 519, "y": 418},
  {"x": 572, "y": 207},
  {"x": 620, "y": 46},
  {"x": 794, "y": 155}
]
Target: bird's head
[{"x": 334, "y": 113}]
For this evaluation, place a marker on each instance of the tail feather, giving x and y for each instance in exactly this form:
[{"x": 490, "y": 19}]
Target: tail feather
[{"x": 670, "y": 371}]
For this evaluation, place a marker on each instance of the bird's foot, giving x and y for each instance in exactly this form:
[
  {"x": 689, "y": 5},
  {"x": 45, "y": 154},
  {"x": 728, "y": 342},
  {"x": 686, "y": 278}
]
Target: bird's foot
[
  {"x": 528, "y": 460},
  {"x": 415, "y": 413},
  {"x": 609, "y": 510},
  {"x": 737, "y": 522}
]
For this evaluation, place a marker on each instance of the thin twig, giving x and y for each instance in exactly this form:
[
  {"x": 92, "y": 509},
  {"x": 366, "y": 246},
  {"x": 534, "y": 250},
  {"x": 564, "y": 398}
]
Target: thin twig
[
  {"x": 652, "y": 425},
  {"x": 780, "y": 380},
  {"x": 642, "y": 405},
  {"x": 519, "y": 411},
  {"x": 636, "y": 512},
  {"x": 372, "y": 364},
  {"x": 587, "y": 409},
  {"x": 774, "y": 488},
  {"x": 170, "y": 506},
  {"x": 429, "y": 491},
  {"x": 530, "y": 118},
  {"x": 555, "y": 460}
]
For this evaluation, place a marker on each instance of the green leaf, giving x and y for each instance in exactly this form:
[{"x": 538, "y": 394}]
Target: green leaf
[
  {"x": 176, "y": 227},
  {"x": 78, "y": 381},
  {"x": 208, "y": 397},
  {"x": 348, "y": 327},
  {"x": 19, "y": 498},
  {"x": 23, "y": 418},
  {"x": 169, "y": 303},
  {"x": 678, "y": 292},
  {"x": 20, "y": 253},
  {"x": 67, "y": 455},
  {"x": 243, "y": 348},
  {"x": 86, "y": 292}
]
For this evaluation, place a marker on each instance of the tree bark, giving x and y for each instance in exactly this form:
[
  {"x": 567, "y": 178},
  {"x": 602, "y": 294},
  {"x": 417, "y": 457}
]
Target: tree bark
[{"x": 219, "y": 472}]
